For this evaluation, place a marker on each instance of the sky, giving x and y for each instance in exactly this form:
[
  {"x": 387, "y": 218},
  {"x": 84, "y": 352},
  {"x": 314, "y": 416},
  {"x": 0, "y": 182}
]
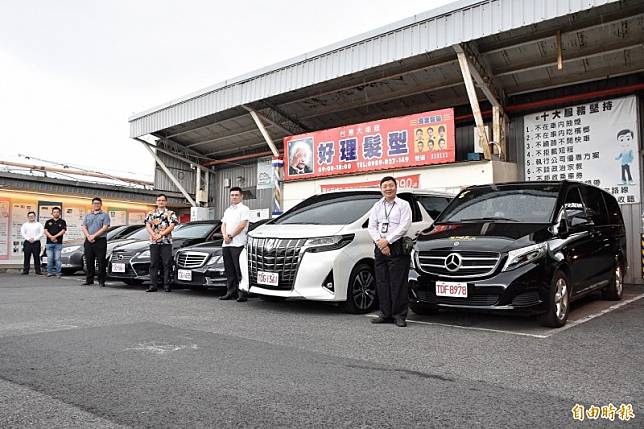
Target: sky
[{"x": 73, "y": 71}]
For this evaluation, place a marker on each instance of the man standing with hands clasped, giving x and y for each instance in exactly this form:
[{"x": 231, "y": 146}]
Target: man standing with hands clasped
[
  {"x": 94, "y": 228},
  {"x": 234, "y": 227},
  {"x": 160, "y": 223},
  {"x": 389, "y": 221}
]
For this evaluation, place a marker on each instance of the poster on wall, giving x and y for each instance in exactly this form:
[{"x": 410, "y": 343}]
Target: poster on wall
[
  {"x": 136, "y": 218},
  {"x": 5, "y": 211},
  {"x": 19, "y": 212},
  {"x": 74, "y": 217},
  {"x": 118, "y": 216},
  {"x": 264, "y": 173},
  {"x": 407, "y": 141},
  {"x": 44, "y": 210},
  {"x": 595, "y": 143}
]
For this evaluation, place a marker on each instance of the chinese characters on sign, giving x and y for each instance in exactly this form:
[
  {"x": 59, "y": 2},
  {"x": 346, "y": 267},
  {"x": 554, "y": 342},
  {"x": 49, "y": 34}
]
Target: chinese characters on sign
[
  {"x": 594, "y": 143},
  {"x": 404, "y": 182},
  {"x": 408, "y": 141}
]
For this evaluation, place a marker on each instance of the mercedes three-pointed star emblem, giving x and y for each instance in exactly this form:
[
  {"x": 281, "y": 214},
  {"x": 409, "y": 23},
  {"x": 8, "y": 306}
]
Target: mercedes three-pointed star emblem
[{"x": 453, "y": 262}]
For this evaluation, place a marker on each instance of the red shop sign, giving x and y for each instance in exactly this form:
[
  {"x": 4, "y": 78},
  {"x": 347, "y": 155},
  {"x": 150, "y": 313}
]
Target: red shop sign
[{"x": 387, "y": 144}]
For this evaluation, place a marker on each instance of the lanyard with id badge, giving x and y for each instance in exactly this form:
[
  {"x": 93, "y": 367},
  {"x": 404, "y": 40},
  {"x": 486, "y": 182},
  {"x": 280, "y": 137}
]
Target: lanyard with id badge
[{"x": 384, "y": 227}]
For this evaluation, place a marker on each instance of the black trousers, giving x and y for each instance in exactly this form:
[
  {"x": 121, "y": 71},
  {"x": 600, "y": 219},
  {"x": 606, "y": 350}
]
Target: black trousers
[
  {"x": 626, "y": 169},
  {"x": 95, "y": 254},
  {"x": 160, "y": 259},
  {"x": 31, "y": 249},
  {"x": 233, "y": 270},
  {"x": 392, "y": 282}
]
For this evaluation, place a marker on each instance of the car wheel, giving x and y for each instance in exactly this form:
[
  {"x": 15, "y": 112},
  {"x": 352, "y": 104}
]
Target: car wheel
[
  {"x": 613, "y": 292},
  {"x": 424, "y": 309},
  {"x": 361, "y": 292},
  {"x": 270, "y": 298},
  {"x": 558, "y": 302},
  {"x": 133, "y": 282}
]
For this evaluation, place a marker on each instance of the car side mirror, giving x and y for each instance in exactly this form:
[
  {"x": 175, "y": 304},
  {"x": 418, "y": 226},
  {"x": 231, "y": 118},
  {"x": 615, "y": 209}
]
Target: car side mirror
[{"x": 578, "y": 220}]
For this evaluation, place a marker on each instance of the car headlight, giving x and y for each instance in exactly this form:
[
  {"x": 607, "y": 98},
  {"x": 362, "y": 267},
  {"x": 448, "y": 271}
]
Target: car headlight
[
  {"x": 145, "y": 254},
  {"x": 519, "y": 257},
  {"x": 70, "y": 249},
  {"x": 216, "y": 259},
  {"x": 324, "y": 244}
]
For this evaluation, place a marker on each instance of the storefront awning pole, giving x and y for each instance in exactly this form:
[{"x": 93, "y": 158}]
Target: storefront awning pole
[
  {"x": 167, "y": 172},
  {"x": 467, "y": 71}
]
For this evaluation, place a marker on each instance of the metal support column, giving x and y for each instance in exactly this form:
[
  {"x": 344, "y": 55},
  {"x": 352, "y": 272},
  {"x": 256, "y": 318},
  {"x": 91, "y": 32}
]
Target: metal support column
[{"x": 168, "y": 172}]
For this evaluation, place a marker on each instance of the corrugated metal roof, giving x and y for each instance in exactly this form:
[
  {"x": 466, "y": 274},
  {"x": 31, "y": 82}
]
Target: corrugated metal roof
[{"x": 440, "y": 28}]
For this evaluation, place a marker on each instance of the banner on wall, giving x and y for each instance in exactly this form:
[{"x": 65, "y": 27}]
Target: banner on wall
[
  {"x": 407, "y": 141},
  {"x": 264, "y": 173},
  {"x": 74, "y": 217},
  {"x": 118, "y": 216},
  {"x": 595, "y": 143},
  {"x": 404, "y": 182},
  {"x": 5, "y": 228},
  {"x": 19, "y": 212},
  {"x": 44, "y": 210},
  {"x": 136, "y": 218}
]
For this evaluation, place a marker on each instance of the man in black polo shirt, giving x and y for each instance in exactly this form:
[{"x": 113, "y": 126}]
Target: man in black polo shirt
[{"x": 55, "y": 228}]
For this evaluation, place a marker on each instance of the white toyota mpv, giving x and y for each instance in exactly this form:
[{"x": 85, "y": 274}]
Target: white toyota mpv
[{"x": 321, "y": 250}]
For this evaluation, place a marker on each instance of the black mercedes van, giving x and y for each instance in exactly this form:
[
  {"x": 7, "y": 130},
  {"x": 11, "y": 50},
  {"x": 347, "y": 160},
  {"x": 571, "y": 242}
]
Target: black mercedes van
[{"x": 529, "y": 246}]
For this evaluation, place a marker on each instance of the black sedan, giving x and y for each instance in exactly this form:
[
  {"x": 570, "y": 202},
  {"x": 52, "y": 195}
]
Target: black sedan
[
  {"x": 72, "y": 256},
  {"x": 130, "y": 263},
  {"x": 202, "y": 266}
]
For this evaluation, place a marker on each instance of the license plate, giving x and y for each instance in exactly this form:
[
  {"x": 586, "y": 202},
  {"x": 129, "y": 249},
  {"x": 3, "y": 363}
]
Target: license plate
[
  {"x": 451, "y": 289},
  {"x": 270, "y": 279},
  {"x": 118, "y": 267},
  {"x": 185, "y": 275}
]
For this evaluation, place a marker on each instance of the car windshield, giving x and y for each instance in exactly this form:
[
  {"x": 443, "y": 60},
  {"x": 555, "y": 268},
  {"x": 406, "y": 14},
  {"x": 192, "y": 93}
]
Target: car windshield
[
  {"x": 198, "y": 230},
  {"x": 503, "y": 204},
  {"x": 139, "y": 234},
  {"x": 329, "y": 209}
]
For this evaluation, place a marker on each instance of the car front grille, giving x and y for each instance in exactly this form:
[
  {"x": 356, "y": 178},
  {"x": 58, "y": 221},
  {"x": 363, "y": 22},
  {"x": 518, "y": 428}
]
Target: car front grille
[
  {"x": 458, "y": 264},
  {"x": 121, "y": 257},
  {"x": 191, "y": 259},
  {"x": 274, "y": 255}
]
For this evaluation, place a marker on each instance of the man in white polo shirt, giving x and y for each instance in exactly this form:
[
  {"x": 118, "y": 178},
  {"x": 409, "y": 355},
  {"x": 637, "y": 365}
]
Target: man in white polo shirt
[{"x": 234, "y": 229}]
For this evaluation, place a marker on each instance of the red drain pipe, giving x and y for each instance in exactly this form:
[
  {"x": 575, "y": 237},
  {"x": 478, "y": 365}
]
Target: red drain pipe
[{"x": 567, "y": 99}]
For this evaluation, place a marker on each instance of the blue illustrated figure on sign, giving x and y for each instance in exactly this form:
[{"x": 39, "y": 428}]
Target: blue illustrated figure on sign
[{"x": 625, "y": 140}]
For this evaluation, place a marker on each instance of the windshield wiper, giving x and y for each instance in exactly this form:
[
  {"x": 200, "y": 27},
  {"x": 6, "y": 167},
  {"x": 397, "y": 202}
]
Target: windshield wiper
[{"x": 491, "y": 219}]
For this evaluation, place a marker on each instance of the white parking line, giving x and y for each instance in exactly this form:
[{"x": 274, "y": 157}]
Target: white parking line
[
  {"x": 601, "y": 313},
  {"x": 550, "y": 333}
]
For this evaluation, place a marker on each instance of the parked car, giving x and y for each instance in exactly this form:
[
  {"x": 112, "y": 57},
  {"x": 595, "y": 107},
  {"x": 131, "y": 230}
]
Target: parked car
[
  {"x": 131, "y": 262},
  {"x": 531, "y": 246},
  {"x": 72, "y": 255},
  {"x": 321, "y": 250},
  {"x": 202, "y": 266}
]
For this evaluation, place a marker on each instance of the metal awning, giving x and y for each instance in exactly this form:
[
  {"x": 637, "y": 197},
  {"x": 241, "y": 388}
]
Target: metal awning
[{"x": 408, "y": 67}]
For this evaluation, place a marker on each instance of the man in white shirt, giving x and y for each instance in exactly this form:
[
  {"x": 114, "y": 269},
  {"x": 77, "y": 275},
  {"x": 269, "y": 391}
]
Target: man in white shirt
[
  {"x": 234, "y": 228},
  {"x": 389, "y": 221},
  {"x": 31, "y": 232}
]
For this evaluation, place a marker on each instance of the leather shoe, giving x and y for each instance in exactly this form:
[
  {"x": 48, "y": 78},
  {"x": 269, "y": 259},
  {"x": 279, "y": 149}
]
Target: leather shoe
[
  {"x": 151, "y": 289},
  {"x": 242, "y": 298},
  {"x": 87, "y": 283},
  {"x": 25, "y": 274},
  {"x": 227, "y": 297},
  {"x": 379, "y": 319},
  {"x": 101, "y": 284},
  {"x": 400, "y": 323}
]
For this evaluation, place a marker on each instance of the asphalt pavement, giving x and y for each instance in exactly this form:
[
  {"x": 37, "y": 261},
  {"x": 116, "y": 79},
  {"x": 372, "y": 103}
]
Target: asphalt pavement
[{"x": 78, "y": 356}]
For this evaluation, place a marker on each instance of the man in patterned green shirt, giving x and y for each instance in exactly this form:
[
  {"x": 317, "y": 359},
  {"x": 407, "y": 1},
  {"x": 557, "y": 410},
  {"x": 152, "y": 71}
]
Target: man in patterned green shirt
[{"x": 160, "y": 224}]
